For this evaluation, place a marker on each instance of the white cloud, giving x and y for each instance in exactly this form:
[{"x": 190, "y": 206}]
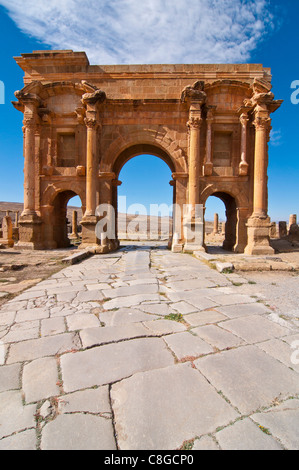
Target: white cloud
[
  {"x": 276, "y": 138},
  {"x": 147, "y": 31}
]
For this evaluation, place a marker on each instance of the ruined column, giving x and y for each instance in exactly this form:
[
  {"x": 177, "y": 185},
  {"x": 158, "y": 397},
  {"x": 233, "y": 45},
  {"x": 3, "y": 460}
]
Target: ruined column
[
  {"x": 292, "y": 220},
  {"x": 74, "y": 234},
  {"x": 243, "y": 167},
  {"x": 7, "y": 232},
  {"x": 223, "y": 228},
  {"x": 216, "y": 224},
  {"x": 282, "y": 227}
]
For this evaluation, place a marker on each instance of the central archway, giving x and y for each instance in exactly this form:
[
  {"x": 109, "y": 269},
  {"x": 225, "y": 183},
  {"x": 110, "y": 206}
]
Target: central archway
[{"x": 154, "y": 219}]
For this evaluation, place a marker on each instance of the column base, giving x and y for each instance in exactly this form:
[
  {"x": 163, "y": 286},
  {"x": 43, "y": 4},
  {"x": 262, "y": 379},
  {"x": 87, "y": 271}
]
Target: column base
[
  {"x": 177, "y": 247},
  {"x": 194, "y": 235},
  {"x": 191, "y": 247},
  {"x": 258, "y": 231},
  {"x": 239, "y": 248},
  {"x": 30, "y": 232},
  {"x": 89, "y": 236},
  {"x": 108, "y": 247},
  {"x": 7, "y": 243}
]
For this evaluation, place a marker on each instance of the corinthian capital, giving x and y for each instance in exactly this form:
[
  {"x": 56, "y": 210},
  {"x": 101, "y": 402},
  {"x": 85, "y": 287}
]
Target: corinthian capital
[
  {"x": 91, "y": 123},
  {"x": 244, "y": 119},
  {"x": 262, "y": 123},
  {"x": 29, "y": 122},
  {"x": 194, "y": 122}
]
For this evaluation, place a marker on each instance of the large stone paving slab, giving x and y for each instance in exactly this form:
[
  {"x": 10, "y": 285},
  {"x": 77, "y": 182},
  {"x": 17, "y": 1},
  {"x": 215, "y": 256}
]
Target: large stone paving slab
[
  {"x": 123, "y": 316},
  {"x": 112, "y": 334},
  {"x": 25, "y": 440},
  {"x": 249, "y": 378},
  {"x": 94, "y": 401},
  {"x": 14, "y": 417},
  {"x": 42, "y": 347},
  {"x": 282, "y": 422},
  {"x": 40, "y": 379},
  {"x": 78, "y": 432},
  {"x": 160, "y": 409},
  {"x": 246, "y": 435},
  {"x": 186, "y": 345},
  {"x": 113, "y": 362},
  {"x": 255, "y": 328}
]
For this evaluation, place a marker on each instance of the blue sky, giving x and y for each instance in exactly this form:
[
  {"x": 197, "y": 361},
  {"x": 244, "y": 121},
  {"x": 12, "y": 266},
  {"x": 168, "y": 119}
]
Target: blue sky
[{"x": 159, "y": 31}]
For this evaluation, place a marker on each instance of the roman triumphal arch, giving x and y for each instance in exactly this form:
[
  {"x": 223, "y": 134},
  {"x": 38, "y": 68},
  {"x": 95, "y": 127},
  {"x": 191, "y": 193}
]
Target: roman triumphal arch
[{"x": 82, "y": 122}]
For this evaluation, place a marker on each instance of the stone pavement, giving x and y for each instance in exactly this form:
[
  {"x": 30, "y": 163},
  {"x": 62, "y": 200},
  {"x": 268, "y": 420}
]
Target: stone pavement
[{"x": 146, "y": 349}]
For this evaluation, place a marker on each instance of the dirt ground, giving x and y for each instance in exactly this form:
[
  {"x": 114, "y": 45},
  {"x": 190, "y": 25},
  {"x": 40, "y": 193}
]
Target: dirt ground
[{"x": 20, "y": 269}]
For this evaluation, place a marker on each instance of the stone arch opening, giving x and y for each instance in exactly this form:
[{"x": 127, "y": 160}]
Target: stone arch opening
[
  {"x": 230, "y": 230},
  {"x": 59, "y": 219},
  {"x": 156, "y": 228}
]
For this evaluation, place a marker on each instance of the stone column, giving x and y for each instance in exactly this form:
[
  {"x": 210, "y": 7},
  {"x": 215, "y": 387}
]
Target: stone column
[
  {"x": 194, "y": 124},
  {"x": 243, "y": 167},
  {"x": 107, "y": 215},
  {"x": 180, "y": 190},
  {"x": 89, "y": 221},
  {"x": 7, "y": 232},
  {"x": 262, "y": 127},
  {"x": 29, "y": 170},
  {"x": 223, "y": 228},
  {"x": 208, "y": 166},
  {"x": 74, "y": 235},
  {"x": 258, "y": 226},
  {"x": 241, "y": 230},
  {"x": 91, "y": 167},
  {"x": 30, "y": 222},
  {"x": 193, "y": 217},
  {"x": 283, "y": 231},
  {"x": 292, "y": 220},
  {"x": 16, "y": 219},
  {"x": 216, "y": 224}
]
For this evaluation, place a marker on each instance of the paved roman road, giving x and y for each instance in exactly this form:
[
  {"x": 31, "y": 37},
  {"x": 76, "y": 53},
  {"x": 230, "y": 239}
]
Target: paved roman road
[{"x": 146, "y": 349}]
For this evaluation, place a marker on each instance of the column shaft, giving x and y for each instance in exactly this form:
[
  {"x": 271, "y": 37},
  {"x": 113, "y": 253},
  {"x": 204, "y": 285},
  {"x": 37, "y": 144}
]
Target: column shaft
[
  {"x": 29, "y": 170},
  {"x": 243, "y": 167},
  {"x": 91, "y": 168},
  {"x": 260, "y": 168},
  {"x": 194, "y": 161}
]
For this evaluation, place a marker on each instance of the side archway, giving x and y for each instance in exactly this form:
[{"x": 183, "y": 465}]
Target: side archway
[
  {"x": 237, "y": 213},
  {"x": 54, "y": 215}
]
